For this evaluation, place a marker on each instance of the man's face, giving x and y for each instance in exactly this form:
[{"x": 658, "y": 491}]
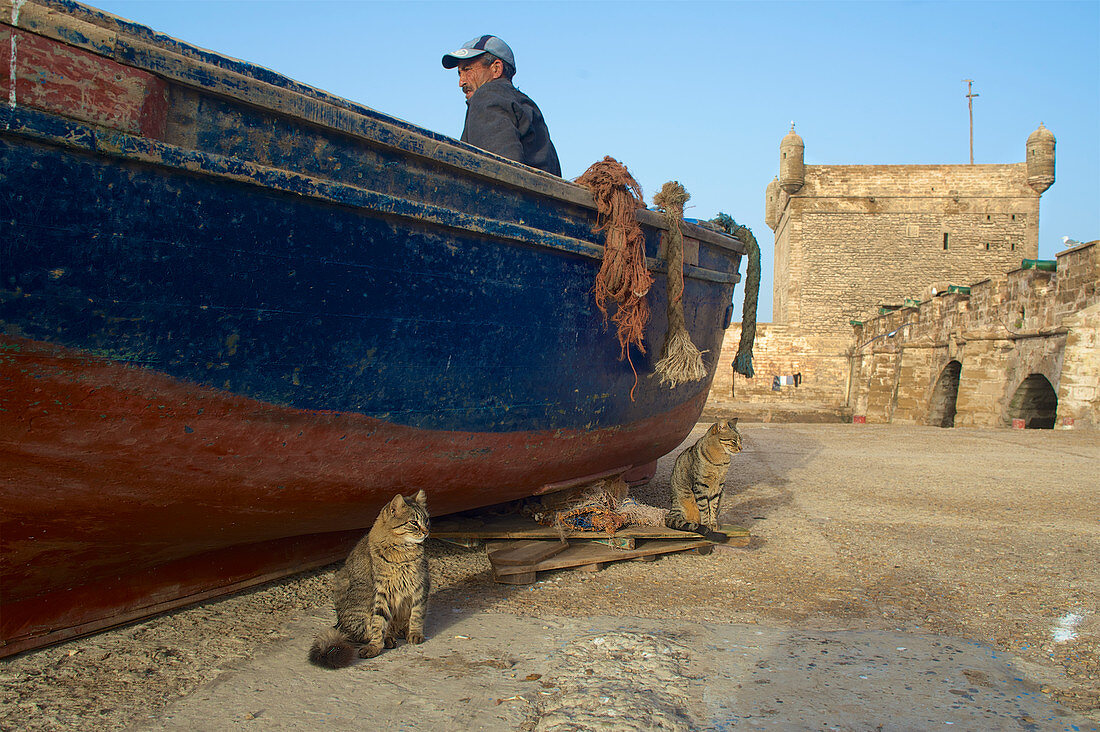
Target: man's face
[{"x": 473, "y": 73}]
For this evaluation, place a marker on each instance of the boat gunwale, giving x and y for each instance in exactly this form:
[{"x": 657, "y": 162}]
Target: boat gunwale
[
  {"x": 140, "y": 47},
  {"x": 23, "y": 121}
]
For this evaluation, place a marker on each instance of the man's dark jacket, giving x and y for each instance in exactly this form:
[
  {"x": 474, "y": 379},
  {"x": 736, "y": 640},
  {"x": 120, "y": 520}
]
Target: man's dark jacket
[{"x": 502, "y": 119}]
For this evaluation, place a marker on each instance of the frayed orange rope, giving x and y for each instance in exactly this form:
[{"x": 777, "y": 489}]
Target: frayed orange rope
[
  {"x": 635, "y": 386},
  {"x": 623, "y": 277}
]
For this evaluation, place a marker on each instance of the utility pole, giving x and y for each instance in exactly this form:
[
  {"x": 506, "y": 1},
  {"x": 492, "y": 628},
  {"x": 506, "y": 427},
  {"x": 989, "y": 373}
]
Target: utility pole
[{"x": 970, "y": 103}]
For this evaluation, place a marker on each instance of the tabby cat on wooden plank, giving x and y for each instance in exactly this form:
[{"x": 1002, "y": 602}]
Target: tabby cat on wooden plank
[
  {"x": 382, "y": 589},
  {"x": 697, "y": 479}
]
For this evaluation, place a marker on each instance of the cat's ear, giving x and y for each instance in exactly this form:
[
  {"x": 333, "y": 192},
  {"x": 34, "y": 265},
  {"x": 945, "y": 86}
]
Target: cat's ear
[
  {"x": 714, "y": 428},
  {"x": 397, "y": 503},
  {"x": 422, "y": 498},
  {"x": 732, "y": 423}
]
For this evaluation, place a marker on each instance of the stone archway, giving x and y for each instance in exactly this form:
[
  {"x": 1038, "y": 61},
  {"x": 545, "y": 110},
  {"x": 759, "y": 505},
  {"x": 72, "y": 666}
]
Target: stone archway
[
  {"x": 1035, "y": 402},
  {"x": 945, "y": 395}
]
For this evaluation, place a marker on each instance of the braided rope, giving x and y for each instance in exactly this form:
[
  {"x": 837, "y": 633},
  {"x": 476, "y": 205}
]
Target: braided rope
[
  {"x": 680, "y": 361},
  {"x": 742, "y": 362}
]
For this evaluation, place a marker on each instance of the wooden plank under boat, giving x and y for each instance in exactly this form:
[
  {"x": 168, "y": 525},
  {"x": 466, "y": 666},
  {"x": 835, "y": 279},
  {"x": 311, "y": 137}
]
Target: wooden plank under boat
[{"x": 237, "y": 314}]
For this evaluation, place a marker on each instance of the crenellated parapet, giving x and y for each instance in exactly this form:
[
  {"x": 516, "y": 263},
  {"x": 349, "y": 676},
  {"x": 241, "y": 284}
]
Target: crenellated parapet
[{"x": 1021, "y": 347}]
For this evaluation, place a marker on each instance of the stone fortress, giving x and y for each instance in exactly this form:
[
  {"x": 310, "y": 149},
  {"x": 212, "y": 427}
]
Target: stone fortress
[{"x": 914, "y": 293}]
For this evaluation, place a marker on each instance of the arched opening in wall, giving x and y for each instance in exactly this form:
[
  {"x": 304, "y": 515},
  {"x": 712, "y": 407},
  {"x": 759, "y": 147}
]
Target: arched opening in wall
[
  {"x": 945, "y": 395},
  {"x": 1035, "y": 402}
]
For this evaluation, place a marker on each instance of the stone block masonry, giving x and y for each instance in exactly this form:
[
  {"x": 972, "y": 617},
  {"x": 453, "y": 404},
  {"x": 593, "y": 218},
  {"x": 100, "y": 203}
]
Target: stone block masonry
[
  {"x": 1007, "y": 350},
  {"x": 780, "y": 352},
  {"x": 856, "y": 237},
  {"x": 899, "y": 295}
]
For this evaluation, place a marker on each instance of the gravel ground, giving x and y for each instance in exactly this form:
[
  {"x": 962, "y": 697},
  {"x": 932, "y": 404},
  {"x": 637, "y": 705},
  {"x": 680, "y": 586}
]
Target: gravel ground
[{"x": 984, "y": 535}]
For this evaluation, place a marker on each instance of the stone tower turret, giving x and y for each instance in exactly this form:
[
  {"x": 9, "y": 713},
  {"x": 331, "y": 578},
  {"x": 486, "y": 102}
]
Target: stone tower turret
[
  {"x": 792, "y": 174},
  {"x": 1040, "y": 159},
  {"x": 771, "y": 204}
]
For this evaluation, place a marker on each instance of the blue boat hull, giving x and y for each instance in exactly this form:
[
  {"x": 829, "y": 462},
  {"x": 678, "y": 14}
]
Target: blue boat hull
[{"x": 318, "y": 306}]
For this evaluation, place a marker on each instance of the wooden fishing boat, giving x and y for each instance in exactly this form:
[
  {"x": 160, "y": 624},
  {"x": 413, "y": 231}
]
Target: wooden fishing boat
[{"x": 237, "y": 314}]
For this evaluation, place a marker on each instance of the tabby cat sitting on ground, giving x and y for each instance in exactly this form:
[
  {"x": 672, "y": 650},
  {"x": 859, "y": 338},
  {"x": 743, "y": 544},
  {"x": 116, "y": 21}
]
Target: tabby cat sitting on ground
[
  {"x": 697, "y": 479},
  {"x": 382, "y": 589}
]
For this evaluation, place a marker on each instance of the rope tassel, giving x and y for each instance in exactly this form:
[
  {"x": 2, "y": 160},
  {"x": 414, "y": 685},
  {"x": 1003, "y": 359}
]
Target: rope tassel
[{"x": 681, "y": 361}]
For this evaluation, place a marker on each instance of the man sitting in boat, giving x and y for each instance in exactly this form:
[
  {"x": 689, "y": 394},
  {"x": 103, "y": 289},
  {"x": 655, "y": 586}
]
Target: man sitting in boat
[{"x": 499, "y": 117}]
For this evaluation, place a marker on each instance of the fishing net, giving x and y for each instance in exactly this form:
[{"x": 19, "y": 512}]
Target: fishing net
[
  {"x": 600, "y": 506},
  {"x": 640, "y": 514}
]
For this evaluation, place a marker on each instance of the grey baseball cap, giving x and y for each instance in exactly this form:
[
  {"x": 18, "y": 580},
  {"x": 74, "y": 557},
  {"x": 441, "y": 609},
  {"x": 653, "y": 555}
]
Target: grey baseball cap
[{"x": 477, "y": 46}]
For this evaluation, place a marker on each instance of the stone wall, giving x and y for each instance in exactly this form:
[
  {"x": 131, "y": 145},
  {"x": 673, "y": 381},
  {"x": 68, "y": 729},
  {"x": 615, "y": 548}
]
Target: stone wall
[
  {"x": 1079, "y": 387},
  {"x": 859, "y": 236},
  {"x": 782, "y": 351},
  {"x": 786, "y": 278},
  {"x": 1077, "y": 304},
  {"x": 1078, "y": 278},
  {"x": 1023, "y": 346},
  {"x": 865, "y": 315}
]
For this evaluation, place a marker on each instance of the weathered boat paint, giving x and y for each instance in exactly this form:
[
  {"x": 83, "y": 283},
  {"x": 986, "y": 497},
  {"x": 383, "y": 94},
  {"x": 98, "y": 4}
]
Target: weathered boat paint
[
  {"x": 237, "y": 314},
  {"x": 202, "y": 480},
  {"x": 80, "y": 84}
]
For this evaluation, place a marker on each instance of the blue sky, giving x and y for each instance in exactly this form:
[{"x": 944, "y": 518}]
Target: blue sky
[{"x": 702, "y": 92}]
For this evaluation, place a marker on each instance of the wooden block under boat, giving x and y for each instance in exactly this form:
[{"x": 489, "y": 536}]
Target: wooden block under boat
[
  {"x": 526, "y": 552},
  {"x": 738, "y": 535},
  {"x": 468, "y": 531},
  {"x": 586, "y": 556}
]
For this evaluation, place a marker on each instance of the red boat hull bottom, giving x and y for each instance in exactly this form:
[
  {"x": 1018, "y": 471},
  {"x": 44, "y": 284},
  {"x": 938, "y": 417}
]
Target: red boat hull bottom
[
  {"x": 69, "y": 613},
  {"x": 128, "y": 493}
]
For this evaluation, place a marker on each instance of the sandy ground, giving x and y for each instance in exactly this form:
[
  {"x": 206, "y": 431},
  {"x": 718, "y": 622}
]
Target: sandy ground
[{"x": 899, "y": 578}]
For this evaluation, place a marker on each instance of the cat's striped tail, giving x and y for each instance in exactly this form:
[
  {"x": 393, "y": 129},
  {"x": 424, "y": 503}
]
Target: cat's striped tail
[{"x": 331, "y": 649}]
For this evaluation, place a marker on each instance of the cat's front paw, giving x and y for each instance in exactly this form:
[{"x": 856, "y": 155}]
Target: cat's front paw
[
  {"x": 414, "y": 637},
  {"x": 391, "y": 642},
  {"x": 370, "y": 650}
]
